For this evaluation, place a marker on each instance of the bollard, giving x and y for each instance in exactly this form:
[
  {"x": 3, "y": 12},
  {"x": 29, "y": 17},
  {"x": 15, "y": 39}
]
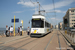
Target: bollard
[
  {"x": 67, "y": 33},
  {"x": 74, "y": 37},
  {"x": 71, "y": 36}
]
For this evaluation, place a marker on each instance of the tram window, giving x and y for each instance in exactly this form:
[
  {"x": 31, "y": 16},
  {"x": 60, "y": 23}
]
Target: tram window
[
  {"x": 48, "y": 25},
  {"x": 45, "y": 24}
]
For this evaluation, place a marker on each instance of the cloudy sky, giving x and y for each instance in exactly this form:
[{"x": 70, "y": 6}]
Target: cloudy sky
[{"x": 24, "y": 9}]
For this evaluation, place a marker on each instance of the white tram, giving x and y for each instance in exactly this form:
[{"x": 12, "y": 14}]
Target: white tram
[{"x": 39, "y": 26}]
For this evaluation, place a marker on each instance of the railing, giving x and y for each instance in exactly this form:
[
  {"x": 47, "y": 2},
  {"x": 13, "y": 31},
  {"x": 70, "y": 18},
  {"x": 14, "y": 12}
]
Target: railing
[
  {"x": 2, "y": 33},
  {"x": 70, "y": 36}
]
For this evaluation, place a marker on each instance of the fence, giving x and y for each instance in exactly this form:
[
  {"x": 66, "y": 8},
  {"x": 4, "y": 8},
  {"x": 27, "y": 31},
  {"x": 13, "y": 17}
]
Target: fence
[
  {"x": 70, "y": 36},
  {"x": 2, "y": 33}
]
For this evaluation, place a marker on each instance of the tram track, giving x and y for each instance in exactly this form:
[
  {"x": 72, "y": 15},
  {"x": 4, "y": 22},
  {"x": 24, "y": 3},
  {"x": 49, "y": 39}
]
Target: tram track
[
  {"x": 42, "y": 40},
  {"x": 49, "y": 42},
  {"x": 12, "y": 40},
  {"x": 38, "y": 42},
  {"x": 29, "y": 40},
  {"x": 16, "y": 43},
  {"x": 59, "y": 40},
  {"x": 26, "y": 43}
]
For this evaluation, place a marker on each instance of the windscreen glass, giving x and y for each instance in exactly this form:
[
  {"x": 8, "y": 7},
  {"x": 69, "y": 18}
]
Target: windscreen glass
[{"x": 37, "y": 24}]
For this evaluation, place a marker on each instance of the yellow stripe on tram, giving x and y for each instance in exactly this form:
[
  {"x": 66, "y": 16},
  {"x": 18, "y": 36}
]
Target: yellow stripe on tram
[{"x": 34, "y": 31}]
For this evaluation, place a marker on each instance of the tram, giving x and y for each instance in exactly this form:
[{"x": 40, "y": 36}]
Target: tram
[{"x": 39, "y": 26}]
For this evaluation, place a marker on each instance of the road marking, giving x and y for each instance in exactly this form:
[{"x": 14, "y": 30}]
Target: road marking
[
  {"x": 1, "y": 42},
  {"x": 57, "y": 41},
  {"x": 50, "y": 41}
]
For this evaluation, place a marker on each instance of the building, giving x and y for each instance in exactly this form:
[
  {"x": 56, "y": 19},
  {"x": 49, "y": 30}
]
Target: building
[
  {"x": 51, "y": 26},
  {"x": 56, "y": 26},
  {"x": 70, "y": 16},
  {"x": 60, "y": 25}
]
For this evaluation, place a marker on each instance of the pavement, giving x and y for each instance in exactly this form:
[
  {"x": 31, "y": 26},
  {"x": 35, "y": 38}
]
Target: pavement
[
  {"x": 52, "y": 41},
  {"x": 5, "y": 39}
]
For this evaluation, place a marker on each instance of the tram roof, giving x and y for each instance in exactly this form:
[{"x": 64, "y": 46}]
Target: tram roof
[
  {"x": 38, "y": 15},
  {"x": 34, "y": 16}
]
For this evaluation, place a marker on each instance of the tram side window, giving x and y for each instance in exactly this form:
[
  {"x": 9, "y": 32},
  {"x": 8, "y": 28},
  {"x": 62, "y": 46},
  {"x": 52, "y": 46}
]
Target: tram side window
[
  {"x": 42, "y": 24},
  {"x": 45, "y": 24},
  {"x": 48, "y": 25}
]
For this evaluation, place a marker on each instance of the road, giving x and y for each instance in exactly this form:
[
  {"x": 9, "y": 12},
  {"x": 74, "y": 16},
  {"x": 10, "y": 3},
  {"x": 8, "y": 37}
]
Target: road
[{"x": 52, "y": 41}]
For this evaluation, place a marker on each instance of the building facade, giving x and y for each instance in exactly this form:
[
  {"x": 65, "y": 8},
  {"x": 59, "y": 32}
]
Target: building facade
[
  {"x": 70, "y": 16},
  {"x": 60, "y": 25},
  {"x": 56, "y": 26}
]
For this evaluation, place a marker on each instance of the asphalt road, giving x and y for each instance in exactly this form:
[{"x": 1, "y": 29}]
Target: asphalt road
[{"x": 52, "y": 41}]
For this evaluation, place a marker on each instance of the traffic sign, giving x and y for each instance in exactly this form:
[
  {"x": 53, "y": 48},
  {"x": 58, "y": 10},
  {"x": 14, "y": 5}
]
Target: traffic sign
[{"x": 16, "y": 20}]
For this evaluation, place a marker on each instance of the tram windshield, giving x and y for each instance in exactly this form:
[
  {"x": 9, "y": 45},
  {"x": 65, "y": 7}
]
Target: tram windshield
[{"x": 37, "y": 24}]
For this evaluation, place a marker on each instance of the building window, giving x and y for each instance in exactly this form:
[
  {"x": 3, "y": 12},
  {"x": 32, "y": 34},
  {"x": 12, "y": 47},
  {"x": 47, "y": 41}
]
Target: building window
[
  {"x": 72, "y": 14},
  {"x": 73, "y": 17},
  {"x": 72, "y": 10},
  {"x": 73, "y": 20}
]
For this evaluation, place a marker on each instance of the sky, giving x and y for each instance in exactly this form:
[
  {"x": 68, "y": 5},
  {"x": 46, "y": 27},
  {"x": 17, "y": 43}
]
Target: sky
[{"x": 24, "y": 9}]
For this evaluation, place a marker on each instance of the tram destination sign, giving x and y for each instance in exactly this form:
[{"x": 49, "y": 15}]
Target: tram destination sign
[{"x": 36, "y": 19}]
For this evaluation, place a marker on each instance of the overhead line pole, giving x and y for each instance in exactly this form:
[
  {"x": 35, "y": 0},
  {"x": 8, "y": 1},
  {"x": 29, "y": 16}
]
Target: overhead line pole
[{"x": 39, "y": 9}]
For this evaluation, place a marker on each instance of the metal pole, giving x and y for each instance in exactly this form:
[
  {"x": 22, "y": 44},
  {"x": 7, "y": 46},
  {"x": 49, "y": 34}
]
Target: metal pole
[
  {"x": 14, "y": 25},
  {"x": 22, "y": 28},
  {"x": 39, "y": 8}
]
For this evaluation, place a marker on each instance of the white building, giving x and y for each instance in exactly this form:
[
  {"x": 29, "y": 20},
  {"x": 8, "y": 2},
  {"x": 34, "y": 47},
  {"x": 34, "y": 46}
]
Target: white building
[
  {"x": 70, "y": 16},
  {"x": 56, "y": 26}
]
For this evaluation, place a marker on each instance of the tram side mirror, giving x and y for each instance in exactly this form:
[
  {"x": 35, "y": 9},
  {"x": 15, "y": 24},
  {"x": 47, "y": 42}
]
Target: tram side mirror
[{"x": 29, "y": 22}]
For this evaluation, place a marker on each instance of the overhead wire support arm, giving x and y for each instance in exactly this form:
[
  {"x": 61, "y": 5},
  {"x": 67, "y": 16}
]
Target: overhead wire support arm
[
  {"x": 39, "y": 9},
  {"x": 31, "y": 1}
]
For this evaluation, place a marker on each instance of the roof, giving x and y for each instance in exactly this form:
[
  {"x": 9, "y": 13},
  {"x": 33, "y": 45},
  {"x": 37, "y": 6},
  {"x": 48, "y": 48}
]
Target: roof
[{"x": 37, "y": 15}]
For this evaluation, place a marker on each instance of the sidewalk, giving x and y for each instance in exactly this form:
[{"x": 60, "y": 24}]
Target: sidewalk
[{"x": 9, "y": 39}]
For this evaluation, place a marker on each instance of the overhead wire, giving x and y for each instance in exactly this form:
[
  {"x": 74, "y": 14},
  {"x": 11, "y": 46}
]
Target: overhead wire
[
  {"x": 43, "y": 9},
  {"x": 54, "y": 11},
  {"x": 46, "y": 13},
  {"x": 31, "y": 2}
]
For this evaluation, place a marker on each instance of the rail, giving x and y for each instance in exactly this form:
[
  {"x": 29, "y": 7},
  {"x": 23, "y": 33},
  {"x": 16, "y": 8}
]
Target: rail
[{"x": 2, "y": 33}]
